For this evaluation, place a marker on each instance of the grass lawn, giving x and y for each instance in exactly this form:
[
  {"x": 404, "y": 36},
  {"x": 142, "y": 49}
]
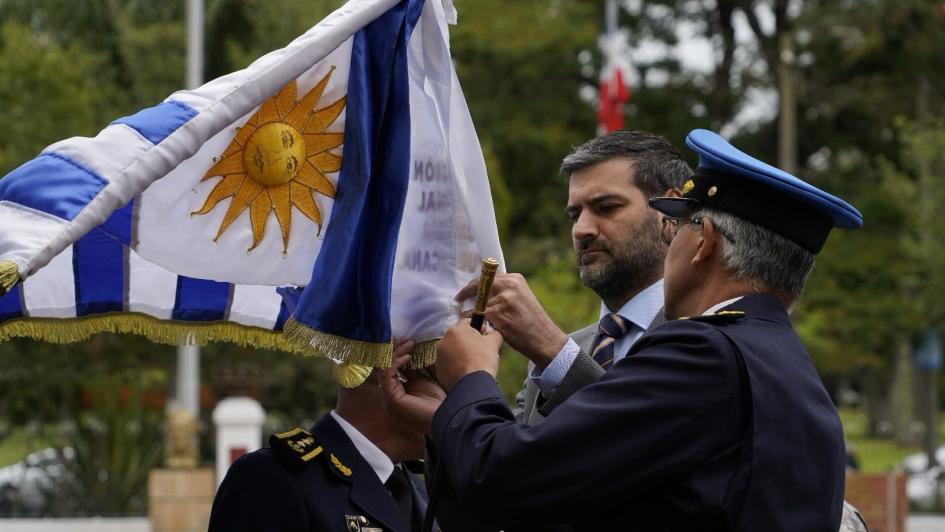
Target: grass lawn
[
  {"x": 17, "y": 443},
  {"x": 876, "y": 455}
]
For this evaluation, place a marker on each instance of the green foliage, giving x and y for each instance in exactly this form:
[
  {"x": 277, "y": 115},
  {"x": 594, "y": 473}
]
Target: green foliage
[
  {"x": 155, "y": 61},
  {"x": 108, "y": 452},
  {"x": 520, "y": 74},
  {"x": 294, "y": 390},
  {"x": 918, "y": 190},
  {"x": 48, "y": 89},
  {"x": 240, "y": 31}
]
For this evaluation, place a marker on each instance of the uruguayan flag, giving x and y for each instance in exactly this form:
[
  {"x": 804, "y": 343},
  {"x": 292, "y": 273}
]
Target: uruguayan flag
[
  {"x": 99, "y": 284},
  {"x": 345, "y": 164}
]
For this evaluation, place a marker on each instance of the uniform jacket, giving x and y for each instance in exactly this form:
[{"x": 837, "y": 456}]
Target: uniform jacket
[
  {"x": 711, "y": 423},
  {"x": 337, "y": 490}
]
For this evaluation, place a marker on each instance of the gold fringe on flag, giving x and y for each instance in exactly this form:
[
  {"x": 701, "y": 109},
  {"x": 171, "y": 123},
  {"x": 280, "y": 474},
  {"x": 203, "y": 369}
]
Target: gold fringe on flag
[
  {"x": 9, "y": 275},
  {"x": 338, "y": 348},
  {"x": 68, "y": 330},
  {"x": 423, "y": 354},
  {"x": 351, "y": 375},
  {"x": 357, "y": 358}
]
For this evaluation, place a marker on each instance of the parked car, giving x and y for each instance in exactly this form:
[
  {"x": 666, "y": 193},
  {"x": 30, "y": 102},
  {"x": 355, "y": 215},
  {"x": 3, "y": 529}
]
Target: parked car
[
  {"x": 25, "y": 486},
  {"x": 918, "y": 462},
  {"x": 924, "y": 485}
]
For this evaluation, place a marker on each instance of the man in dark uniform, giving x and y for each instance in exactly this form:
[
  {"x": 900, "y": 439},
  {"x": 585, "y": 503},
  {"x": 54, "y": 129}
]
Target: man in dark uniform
[
  {"x": 345, "y": 475},
  {"x": 715, "y": 420}
]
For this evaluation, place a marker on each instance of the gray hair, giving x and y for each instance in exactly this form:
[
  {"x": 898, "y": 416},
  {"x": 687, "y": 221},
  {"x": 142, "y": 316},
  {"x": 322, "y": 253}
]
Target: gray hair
[
  {"x": 760, "y": 256},
  {"x": 658, "y": 165}
]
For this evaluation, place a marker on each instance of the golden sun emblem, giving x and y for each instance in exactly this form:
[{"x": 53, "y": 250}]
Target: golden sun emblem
[{"x": 278, "y": 159}]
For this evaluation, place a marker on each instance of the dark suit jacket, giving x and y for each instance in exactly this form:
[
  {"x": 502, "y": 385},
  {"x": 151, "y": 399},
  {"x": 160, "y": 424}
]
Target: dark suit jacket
[
  {"x": 262, "y": 492},
  {"x": 710, "y": 423}
]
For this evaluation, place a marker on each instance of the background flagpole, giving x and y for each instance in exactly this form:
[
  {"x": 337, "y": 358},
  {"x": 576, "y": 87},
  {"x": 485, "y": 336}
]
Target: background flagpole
[{"x": 188, "y": 356}]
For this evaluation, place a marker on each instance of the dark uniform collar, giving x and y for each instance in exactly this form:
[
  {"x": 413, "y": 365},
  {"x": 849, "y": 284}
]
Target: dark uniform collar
[
  {"x": 367, "y": 492},
  {"x": 763, "y": 306}
]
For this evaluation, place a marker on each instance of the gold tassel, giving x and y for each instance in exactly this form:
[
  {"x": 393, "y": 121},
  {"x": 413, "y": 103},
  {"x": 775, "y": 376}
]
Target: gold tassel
[
  {"x": 351, "y": 375},
  {"x": 423, "y": 354},
  {"x": 63, "y": 331},
  {"x": 9, "y": 275},
  {"x": 338, "y": 348}
]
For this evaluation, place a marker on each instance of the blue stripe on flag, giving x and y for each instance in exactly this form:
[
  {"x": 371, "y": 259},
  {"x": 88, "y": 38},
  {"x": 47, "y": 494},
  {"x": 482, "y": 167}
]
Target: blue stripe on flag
[
  {"x": 290, "y": 300},
  {"x": 10, "y": 306},
  {"x": 283, "y": 316},
  {"x": 98, "y": 269},
  {"x": 200, "y": 300},
  {"x": 349, "y": 294},
  {"x": 156, "y": 123},
  {"x": 53, "y": 184},
  {"x": 118, "y": 225}
]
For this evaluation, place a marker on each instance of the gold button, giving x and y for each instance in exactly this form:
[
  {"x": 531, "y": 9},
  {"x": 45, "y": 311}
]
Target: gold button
[{"x": 712, "y": 190}]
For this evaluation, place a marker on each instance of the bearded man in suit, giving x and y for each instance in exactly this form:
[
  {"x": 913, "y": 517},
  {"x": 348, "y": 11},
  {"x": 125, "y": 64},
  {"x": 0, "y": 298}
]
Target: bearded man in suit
[{"x": 616, "y": 240}]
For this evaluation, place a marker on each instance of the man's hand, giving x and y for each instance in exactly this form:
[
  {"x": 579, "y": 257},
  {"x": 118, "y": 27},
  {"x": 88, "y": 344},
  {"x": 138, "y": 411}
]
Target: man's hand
[
  {"x": 464, "y": 350},
  {"x": 516, "y": 313},
  {"x": 416, "y": 400}
]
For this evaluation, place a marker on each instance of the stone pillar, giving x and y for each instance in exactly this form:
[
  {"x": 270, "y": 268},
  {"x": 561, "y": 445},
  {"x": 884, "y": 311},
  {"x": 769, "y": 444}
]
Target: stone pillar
[
  {"x": 179, "y": 500},
  {"x": 239, "y": 422}
]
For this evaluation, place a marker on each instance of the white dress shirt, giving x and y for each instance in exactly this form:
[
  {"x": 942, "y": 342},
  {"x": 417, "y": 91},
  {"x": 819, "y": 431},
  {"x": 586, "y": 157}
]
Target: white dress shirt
[
  {"x": 718, "y": 306},
  {"x": 379, "y": 462},
  {"x": 639, "y": 312}
]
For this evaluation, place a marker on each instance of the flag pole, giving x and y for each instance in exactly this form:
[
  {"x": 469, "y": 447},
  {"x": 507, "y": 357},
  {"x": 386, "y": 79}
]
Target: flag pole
[
  {"x": 611, "y": 16},
  {"x": 188, "y": 356}
]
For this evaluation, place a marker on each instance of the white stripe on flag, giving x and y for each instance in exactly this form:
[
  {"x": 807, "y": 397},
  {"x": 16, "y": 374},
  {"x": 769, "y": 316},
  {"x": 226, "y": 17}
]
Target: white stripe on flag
[
  {"x": 99, "y": 154},
  {"x": 255, "y": 305},
  {"x": 152, "y": 289},
  {"x": 51, "y": 292}
]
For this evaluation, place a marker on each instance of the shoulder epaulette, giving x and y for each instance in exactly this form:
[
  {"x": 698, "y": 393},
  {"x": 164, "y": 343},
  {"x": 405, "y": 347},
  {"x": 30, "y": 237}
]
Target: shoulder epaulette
[
  {"x": 296, "y": 447},
  {"x": 725, "y": 316}
]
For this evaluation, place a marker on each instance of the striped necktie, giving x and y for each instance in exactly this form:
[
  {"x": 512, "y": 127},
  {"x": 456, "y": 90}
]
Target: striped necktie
[{"x": 612, "y": 327}]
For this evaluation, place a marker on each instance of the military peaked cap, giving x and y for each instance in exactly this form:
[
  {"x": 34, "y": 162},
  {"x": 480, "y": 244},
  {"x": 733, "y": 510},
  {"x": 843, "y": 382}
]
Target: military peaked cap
[{"x": 734, "y": 182}]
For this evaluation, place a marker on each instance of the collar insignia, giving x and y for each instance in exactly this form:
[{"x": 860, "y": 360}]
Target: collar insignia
[
  {"x": 296, "y": 447},
  {"x": 345, "y": 470},
  {"x": 725, "y": 316}
]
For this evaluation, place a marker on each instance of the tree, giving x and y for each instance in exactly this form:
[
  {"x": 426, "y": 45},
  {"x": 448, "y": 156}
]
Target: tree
[{"x": 47, "y": 88}]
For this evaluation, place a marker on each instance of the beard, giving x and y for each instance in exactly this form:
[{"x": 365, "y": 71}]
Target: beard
[{"x": 627, "y": 265}]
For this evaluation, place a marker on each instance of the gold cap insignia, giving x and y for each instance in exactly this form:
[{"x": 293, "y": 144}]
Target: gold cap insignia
[{"x": 688, "y": 186}]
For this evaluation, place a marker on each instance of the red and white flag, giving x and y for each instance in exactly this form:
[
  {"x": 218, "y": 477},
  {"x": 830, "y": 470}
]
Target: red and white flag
[{"x": 614, "y": 90}]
